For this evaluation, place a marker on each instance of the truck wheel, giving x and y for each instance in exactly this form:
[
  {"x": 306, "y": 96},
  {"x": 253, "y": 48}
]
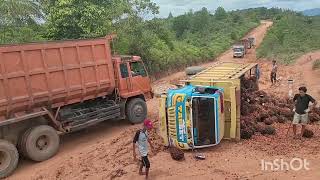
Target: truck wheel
[
  {"x": 40, "y": 143},
  {"x": 9, "y": 158},
  {"x": 136, "y": 110},
  {"x": 22, "y": 142}
]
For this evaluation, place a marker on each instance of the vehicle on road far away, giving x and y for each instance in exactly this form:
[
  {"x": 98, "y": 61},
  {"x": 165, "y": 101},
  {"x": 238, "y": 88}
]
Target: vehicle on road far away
[
  {"x": 252, "y": 42},
  {"x": 239, "y": 51}
]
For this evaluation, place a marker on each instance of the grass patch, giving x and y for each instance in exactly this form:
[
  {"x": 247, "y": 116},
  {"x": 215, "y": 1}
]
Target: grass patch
[{"x": 291, "y": 36}]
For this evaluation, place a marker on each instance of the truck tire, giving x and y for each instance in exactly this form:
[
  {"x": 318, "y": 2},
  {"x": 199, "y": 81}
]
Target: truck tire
[
  {"x": 136, "y": 110},
  {"x": 193, "y": 70},
  {"x": 9, "y": 158},
  {"x": 22, "y": 142},
  {"x": 40, "y": 143}
]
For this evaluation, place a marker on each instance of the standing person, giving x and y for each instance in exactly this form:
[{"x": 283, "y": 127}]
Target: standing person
[
  {"x": 302, "y": 109},
  {"x": 258, "y": 72},
  {"x": 141, "y": 139},
  {"x": 274, "y": 71}
]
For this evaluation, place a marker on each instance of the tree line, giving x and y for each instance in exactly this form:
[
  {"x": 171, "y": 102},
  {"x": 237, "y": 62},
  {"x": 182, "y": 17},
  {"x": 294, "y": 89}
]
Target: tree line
[{"x": 165, "y": 44}]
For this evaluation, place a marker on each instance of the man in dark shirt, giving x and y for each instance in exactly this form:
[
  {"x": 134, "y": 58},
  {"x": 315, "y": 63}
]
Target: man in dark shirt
[{"x": 301, "y": 109}]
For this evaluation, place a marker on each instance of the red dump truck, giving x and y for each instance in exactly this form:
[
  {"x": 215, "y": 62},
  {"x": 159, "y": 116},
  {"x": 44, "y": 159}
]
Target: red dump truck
[{"x": 52, "y": 88}]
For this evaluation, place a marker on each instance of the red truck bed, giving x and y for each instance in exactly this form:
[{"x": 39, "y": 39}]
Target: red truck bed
[{"x": 54, "y": 73}]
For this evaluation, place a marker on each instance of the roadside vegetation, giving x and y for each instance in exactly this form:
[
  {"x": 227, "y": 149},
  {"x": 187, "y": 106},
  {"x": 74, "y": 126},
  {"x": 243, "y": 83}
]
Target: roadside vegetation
[
  {"x": 166, "y": 44},
  {"x": 291, "y": 36}
]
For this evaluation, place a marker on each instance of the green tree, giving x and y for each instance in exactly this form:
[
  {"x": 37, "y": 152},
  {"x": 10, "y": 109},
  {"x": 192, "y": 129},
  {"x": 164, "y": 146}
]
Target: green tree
[
  {"x": 220, "y": 13},
  {"x": 181, "y": 24},
  {"x": 19, "y": 21},
  {"x": 19, "y": 12},
  {"x": 201, "y": 20},
  {"x": 69, "y": 19}
]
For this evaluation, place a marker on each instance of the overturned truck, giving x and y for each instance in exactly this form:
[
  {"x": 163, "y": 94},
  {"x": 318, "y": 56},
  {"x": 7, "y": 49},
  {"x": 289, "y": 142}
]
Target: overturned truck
[
  {"x": 53, "y": 88},
  {"x": 207, "y": 109}
]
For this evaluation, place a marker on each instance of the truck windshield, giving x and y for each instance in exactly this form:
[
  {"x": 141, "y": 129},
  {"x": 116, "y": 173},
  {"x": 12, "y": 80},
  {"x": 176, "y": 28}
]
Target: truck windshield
[
  {"x": 237, "y": 49},
  {"x": 203, "y": 116},
  {"x": 137, "y": 69}
]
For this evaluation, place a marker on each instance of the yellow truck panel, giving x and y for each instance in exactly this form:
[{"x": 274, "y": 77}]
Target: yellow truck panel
[
  {"x": 163, "y": 120},
  {"x": 227, "y": 75}
]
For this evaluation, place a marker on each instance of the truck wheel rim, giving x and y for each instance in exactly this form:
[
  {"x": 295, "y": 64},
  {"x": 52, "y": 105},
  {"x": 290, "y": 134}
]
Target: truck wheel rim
[
  {"x": 42, "y": 142},
  {"x": 4, "y": 160},
  {"x": 138, "y": 110}
]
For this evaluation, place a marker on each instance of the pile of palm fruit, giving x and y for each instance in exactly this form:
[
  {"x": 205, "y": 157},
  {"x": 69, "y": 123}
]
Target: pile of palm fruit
[
  {"x": 176, "y": 153},
  {"x": 259, "y": 111}
]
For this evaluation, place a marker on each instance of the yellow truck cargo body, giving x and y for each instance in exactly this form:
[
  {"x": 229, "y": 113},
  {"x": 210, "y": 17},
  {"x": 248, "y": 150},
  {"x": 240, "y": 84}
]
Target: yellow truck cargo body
[{"x": 227, "y": 75}]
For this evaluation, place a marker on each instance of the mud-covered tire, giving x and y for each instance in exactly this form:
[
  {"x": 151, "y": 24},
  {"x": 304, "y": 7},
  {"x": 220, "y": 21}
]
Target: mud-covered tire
[
  {"x": 136, "y": 110},
  {"x": 9, "y": 158},
  {"x": 40, "y": 143},
  {"x": 194, "y": 70},
  {"x": 22, "y": 142}
]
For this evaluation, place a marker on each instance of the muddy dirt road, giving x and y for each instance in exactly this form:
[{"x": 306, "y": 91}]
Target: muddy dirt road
[
  {"x": 258, "y": 33},
  {"x": 104, "y": 151}
]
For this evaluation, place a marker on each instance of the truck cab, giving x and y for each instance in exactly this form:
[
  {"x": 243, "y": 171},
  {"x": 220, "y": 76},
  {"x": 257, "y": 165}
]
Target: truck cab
[
  {"x": 192, "y": 116},
  {"x": 132, "y": 77},
  {"x": 238, "y": 51},
  {"x": 133, "y": 87}
]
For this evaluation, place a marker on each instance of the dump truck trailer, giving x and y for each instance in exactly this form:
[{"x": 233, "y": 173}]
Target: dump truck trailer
[
  {"x": 252, "y": 42},
  {"x": 58, "y": 87},
  {"x": 205, "y": 110},
  {"x": 245, "y": 43}
]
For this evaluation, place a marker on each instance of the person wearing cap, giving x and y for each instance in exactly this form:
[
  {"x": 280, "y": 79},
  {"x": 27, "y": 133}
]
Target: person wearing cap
[{"x": 141, "y": 140}]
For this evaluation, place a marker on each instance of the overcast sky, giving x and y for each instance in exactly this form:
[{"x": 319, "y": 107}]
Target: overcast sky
[{"x": 178, "y": 7}]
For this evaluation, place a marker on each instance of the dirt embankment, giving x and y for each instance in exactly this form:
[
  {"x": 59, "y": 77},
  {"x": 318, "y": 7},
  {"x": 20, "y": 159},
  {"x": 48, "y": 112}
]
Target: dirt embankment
[
  {"x": 105, "y": 151},
  {"x": 301, "y": 72}
]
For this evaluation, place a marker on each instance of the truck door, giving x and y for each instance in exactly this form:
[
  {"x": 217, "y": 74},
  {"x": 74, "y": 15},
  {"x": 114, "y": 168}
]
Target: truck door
[{"x": 124, "y": 80}]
